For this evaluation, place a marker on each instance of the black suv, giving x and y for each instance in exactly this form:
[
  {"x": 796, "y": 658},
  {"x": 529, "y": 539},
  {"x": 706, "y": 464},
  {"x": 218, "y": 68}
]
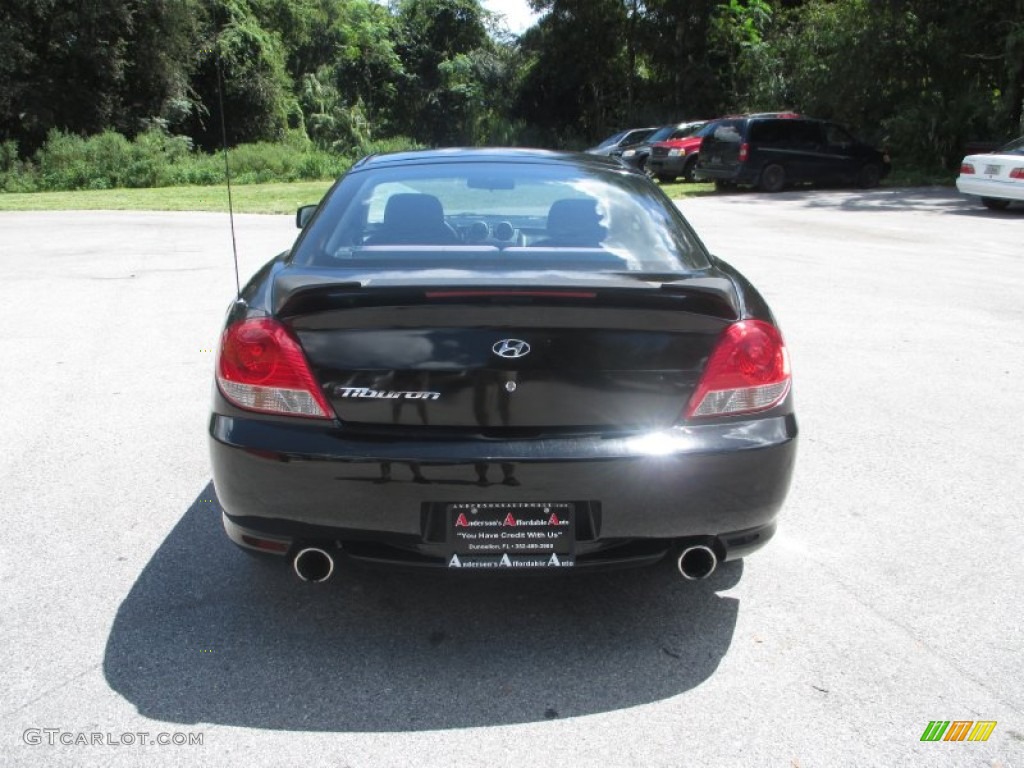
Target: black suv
[{"x": 772, "y": 152}]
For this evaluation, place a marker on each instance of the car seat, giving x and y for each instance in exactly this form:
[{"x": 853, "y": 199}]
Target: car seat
[
  {"x": 411, "y": 218},
  {"x": 574, "y": 222}
]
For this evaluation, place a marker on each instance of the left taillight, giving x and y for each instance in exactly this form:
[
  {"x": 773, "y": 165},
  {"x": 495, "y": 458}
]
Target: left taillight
[
  {"x": 261, "y": 367},
  {"x": 748, "y": 371}
]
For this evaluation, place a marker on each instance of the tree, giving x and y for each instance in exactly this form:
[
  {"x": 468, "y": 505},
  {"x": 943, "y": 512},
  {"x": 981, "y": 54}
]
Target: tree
[
  {"x": 685, "y": 71},
  {"x": 922, "y": 77},
  {"x": 249, "y": 59},
  {"x": 576, "y": 81},
  {"x": 158, "y": 61},
  {"x": 63, "y": 65},
  {"x": 438, "y": 44},
  {"x": 86, "y": 67}
]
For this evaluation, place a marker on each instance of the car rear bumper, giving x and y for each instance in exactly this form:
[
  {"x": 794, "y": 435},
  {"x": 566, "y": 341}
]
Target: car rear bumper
[
  {"x": 1003, "y": 190},
  {"x": 667, "y": 165},
  {"x": 297, "y": 483}
]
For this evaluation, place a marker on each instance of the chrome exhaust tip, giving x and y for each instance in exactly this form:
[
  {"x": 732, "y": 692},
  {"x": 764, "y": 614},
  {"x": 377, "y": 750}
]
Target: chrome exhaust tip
[
  {"x": 697, "y": 562},
  {"x": 313, "y": 564}
]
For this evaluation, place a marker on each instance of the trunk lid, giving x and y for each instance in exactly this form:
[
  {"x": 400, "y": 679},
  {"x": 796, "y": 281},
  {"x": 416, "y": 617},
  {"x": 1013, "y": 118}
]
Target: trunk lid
[{"x": 609, "y": 353}]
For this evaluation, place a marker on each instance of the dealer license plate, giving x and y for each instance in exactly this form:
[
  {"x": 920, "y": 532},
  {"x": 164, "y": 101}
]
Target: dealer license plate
[{"x": 512, "y": 535}]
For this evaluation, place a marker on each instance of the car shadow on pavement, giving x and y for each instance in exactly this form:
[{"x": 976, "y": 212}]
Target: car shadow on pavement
[
  {"x": 894, "y": 199},
  {"x": 209, "y": 634}
]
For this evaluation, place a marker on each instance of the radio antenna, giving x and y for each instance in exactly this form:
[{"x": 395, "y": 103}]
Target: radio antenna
[{"x": 227, "y": 174}]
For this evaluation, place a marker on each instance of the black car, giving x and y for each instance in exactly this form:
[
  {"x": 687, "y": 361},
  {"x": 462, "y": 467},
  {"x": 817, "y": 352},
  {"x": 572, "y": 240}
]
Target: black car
[
  {"x": 621, "y": 140},
  {"x": 500, "y": 358},
  {"x": 774, "y": 152},
  {"x": 635, "y": 156}
]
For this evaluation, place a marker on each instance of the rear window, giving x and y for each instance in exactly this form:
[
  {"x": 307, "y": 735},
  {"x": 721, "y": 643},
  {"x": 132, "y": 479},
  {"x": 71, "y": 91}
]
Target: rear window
[
  {"x": 688, "y": 130},
  {"x": 727, "y": 132},
  {"x": 1015, "y": 147},
  {"x": 634, "y": 137},
  {"x": 661, "y": 134},
  {"x": 480, "y": 215}
]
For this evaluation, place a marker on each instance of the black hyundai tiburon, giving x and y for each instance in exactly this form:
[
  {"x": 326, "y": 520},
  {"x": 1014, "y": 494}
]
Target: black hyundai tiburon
[{"x": 500, "y": 359}]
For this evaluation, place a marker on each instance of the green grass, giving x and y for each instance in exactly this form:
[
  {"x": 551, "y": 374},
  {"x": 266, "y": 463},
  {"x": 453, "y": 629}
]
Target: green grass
[
  {"x": 248, "y": 198},
  {"x": 286, "y": 197},
  {"x": 680, "y": 189}
]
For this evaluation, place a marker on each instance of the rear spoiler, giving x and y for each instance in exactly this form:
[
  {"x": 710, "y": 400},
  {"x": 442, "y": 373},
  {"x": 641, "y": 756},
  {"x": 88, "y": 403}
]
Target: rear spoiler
[
  {"x": 296, "y": 294},
  {"x": 305, "y": 294}
]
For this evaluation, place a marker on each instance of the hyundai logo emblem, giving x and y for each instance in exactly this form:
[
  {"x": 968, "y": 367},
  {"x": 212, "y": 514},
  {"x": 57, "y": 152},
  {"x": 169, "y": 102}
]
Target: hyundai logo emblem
[{"x": 511, "y": 348}]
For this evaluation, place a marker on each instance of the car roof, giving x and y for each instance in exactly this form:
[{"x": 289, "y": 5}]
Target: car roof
[
  {"x": 452, "y": 155},
  {"x": 680, "y": 124}
]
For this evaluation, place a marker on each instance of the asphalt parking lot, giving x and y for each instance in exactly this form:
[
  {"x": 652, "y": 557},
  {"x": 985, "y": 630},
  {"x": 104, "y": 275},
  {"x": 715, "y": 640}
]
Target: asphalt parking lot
[{"x": 891, "y": 596}]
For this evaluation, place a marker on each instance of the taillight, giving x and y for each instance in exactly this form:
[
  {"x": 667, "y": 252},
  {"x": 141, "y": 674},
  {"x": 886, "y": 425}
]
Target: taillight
[
  {"x": 748, "y": 371},
  {"x": 966, "y": 168},
  {"x": 261, "y": 368},
  {"x": 1017, "y": 173},
  {"x": 744, "y": 152},
  {"x": 269, "y": 545}
]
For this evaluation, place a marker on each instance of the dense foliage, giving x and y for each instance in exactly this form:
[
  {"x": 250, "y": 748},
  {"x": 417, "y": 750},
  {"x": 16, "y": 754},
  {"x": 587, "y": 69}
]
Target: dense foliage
[{"x": 125, "y": 92}]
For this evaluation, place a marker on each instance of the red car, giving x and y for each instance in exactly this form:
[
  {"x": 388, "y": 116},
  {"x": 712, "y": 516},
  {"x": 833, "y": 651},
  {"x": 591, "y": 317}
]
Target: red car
[{"x": 675, "y": 157}]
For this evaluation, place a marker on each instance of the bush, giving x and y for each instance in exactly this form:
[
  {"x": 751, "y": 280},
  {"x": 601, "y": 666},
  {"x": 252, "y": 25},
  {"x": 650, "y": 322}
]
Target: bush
[
  {"x": 156, "y": 158},
  {"x": 381, "y": 146},
  {"x": 15, "y": 175},
  {"x": 262, "y": 162},
  {"x": 109, "y": 160},
  {"x": 199, "y": 169},
  {"x": 62, "y": 162}
]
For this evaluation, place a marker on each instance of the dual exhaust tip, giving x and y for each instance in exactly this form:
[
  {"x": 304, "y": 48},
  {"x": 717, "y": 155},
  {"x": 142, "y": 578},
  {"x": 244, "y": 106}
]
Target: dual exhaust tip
[
  {"x": 316, "y": 565},
  {"x": 697, "y": 562}
]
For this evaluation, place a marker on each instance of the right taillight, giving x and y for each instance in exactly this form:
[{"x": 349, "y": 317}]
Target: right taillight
[
  {"x": 748, "y": 371},
  {"x": 966, "y": 168},
  {"x": 1017, "y": 173},
  {"x": 261, "y": 368},
  {"x": 744, "y": 152}
]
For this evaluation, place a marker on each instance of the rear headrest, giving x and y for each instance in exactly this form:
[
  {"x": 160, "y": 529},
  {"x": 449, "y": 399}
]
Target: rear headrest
[
  {"x": 576, "y": 217},
  {"x": 407, "y": 211}
]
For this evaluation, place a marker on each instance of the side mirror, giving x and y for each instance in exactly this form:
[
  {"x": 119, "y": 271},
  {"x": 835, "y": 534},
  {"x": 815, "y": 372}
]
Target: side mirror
[{"x": 304, "y": 214}]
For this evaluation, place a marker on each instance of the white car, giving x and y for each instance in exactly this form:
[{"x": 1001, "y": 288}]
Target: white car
[{"x": 997, "y": 178}]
